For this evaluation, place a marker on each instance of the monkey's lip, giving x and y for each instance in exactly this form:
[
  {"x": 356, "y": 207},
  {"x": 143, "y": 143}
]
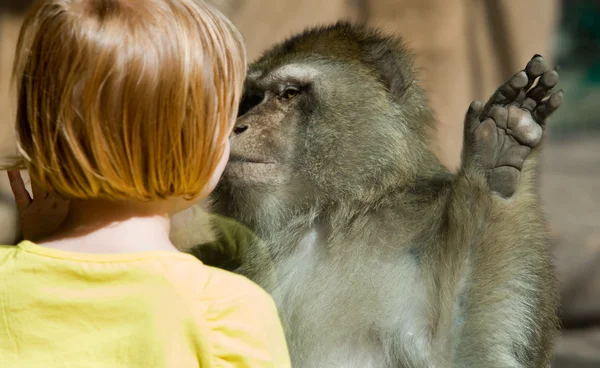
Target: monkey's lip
[
  {"x": 249, "y": 160},
  {"x": 246, "y": 170}
]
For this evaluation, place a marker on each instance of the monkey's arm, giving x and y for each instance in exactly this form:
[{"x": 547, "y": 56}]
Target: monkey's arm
[
  {"x": 222, "y": 242},
  {"x": 508, "y": 303},
  {"x": 227, "y": 249},
  {"x": 215, "y": 240}
]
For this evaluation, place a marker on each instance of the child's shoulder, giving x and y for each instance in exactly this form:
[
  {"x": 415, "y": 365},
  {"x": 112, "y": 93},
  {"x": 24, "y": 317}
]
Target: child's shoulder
[
  {"x": 223, "y": 284},
  {"x": 7, "y": 251},
  {"x": 243, "y": 319},
  {"x": 215, "y": 285}
]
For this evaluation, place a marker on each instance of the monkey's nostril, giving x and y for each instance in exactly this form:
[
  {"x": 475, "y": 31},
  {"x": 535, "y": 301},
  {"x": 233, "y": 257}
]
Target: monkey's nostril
[{"x": 240, "y": 129}]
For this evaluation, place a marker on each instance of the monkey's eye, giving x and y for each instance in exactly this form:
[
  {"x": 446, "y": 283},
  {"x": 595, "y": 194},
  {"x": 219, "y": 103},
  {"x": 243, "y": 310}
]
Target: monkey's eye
[{"x": 289, "y": 92}]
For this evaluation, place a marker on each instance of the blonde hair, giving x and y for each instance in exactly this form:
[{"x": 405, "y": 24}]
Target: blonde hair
[{"x": 126, "y": 99}]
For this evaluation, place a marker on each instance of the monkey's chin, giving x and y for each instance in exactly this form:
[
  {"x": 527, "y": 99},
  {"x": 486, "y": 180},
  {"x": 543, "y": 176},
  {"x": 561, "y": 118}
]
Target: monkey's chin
[{"x": 252, "y": 172}]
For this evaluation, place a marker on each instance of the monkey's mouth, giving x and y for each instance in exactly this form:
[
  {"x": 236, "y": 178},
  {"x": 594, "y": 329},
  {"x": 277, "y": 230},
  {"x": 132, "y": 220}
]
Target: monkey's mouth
[
  {"x": 234, "y": 159},
  {"x": 251, "y": 170}
]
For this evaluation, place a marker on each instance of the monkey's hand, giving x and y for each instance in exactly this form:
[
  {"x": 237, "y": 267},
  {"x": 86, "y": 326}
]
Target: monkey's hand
[{"x": 500, "y": 135}]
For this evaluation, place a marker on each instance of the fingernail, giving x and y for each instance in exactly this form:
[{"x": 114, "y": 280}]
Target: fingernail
[{"x": 536, "y": 55}]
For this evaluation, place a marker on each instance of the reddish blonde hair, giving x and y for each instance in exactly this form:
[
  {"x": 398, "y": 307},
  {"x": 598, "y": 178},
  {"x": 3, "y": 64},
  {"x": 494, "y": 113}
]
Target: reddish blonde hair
[{"x": 126, "y": 99}]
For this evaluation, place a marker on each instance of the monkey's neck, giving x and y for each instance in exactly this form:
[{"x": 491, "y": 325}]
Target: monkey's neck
[
  {"x": 410, "y": 215},
  {"x": 409, "y": 210}
]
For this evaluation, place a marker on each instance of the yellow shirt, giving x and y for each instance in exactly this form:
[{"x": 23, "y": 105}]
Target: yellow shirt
[{"x": 151, "y": 309}]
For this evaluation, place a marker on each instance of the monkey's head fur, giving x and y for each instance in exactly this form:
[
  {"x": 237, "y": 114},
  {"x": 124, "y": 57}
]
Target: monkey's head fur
[{"x": 332, "y": 115}]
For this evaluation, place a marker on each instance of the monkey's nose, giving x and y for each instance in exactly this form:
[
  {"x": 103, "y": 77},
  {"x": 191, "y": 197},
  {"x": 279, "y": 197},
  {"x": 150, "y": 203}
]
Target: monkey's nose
[{"x": 239, "y": 129}]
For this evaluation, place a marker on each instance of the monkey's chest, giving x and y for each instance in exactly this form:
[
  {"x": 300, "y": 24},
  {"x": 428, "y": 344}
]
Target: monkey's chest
[{"x": 353, "y": 312}]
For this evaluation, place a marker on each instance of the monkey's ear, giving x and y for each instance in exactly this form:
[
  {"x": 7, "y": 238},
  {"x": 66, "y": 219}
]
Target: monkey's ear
[{"x": 393, "y": 69}]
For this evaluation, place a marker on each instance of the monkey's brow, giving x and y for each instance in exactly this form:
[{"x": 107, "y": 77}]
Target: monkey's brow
[
  {"x": 255, "y": 74},
  {"x": 299, "y": 72}
]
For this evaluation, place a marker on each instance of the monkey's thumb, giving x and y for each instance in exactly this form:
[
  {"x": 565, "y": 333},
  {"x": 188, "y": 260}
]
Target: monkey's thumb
[
  {"x": 472, "y": 117},
  {"x": 474, "y": 110}
]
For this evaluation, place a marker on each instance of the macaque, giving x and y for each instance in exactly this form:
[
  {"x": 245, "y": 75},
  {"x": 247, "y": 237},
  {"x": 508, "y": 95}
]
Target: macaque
[{"x": 375, "y": 253}]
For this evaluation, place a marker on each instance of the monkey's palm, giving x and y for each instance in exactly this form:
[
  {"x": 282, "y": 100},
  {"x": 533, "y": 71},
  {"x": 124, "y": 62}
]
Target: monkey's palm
[{"x": 504, "y": 131}]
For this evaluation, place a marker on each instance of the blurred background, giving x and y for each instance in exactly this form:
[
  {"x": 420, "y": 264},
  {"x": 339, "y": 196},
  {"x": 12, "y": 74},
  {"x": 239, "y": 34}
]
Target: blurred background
[{"x": 464, "y": 50}]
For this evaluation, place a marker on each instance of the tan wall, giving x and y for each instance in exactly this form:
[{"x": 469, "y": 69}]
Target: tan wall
[{"x": 9, "y": 27}]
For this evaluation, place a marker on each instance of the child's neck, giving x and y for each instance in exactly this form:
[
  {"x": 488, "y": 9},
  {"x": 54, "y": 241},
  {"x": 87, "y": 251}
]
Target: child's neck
[{"x": 103, "y": 226}]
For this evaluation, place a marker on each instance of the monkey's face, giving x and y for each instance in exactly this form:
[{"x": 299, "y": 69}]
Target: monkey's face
[
  {"x": 264, "y": 140},
  {"x": 316, "y": 125}
]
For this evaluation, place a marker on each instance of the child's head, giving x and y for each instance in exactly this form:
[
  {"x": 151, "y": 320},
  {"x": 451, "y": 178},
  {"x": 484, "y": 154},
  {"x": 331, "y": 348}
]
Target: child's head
[{"x": 127, "y": 99}]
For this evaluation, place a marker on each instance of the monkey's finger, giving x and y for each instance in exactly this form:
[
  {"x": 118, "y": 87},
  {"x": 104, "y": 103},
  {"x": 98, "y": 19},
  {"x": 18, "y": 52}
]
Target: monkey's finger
[
  {"x": 504, "y": 94},
  {"x": 509, "y": 92},
  {"x": 486, "y": 141},
  {"x": 518, "y": 81},
  {"x": 550, "y": 78},
  {"x": 500, "y": 116},
  {"x": 474, "y": 110},
  {"x": 17, "y": 186},
  {"x": 546, "y": 82},
  {"x": 550, "y": 105},
  {"x": 472, "y": 116},
  {"x": 529, "y": 104},
  {"x": 535, "y": 68}
]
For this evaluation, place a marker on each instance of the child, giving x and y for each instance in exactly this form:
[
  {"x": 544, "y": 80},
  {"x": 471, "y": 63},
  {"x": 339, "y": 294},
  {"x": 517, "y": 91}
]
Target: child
[{"x": 124, "y": 109}]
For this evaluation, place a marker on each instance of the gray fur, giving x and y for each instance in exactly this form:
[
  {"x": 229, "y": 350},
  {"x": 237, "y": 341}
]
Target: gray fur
[{"x": 382, "y": 257}]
